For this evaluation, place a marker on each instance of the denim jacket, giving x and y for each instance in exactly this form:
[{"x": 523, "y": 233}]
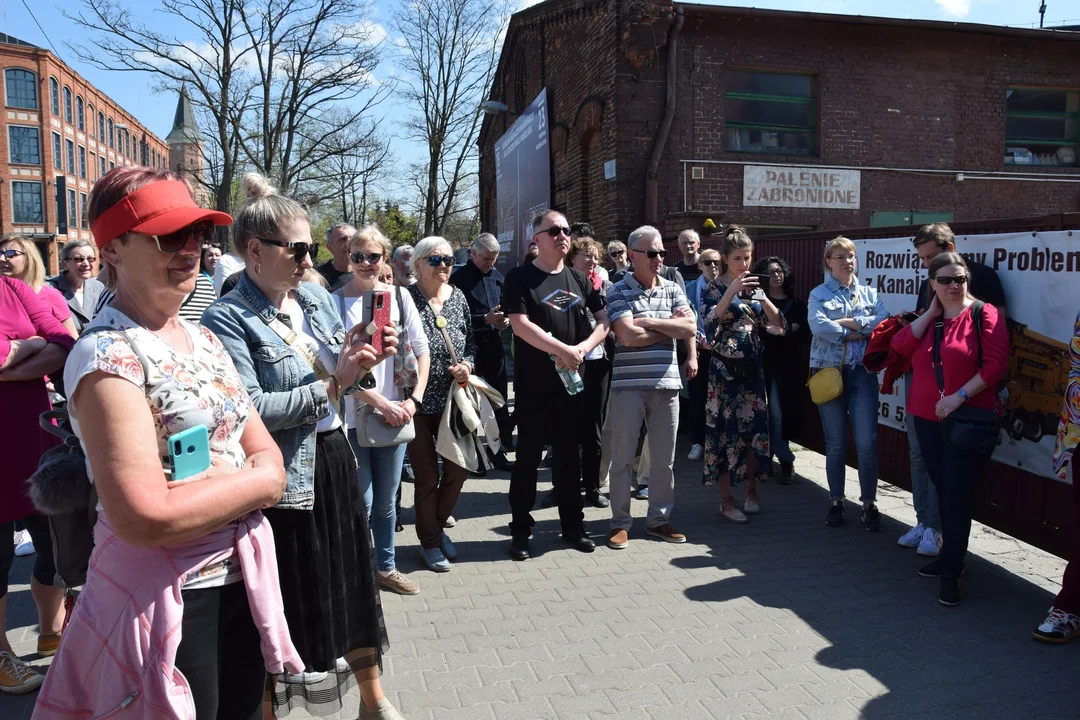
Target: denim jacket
[
  {"x": 282, "y": 386},
  {"x": 830, "y": 302}
]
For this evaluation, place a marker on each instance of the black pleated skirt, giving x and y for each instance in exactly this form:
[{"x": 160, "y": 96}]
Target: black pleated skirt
[{"x": 326, "y": 566}]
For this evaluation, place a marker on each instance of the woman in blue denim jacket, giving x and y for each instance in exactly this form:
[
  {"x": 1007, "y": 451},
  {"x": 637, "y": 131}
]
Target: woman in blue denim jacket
[
  {"x": 297, "y": 361},
  {"x": 843, "y": 315}
]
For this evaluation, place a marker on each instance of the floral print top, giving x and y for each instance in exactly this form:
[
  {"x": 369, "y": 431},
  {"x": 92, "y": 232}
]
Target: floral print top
[
  {"x": 459, "y": 327},
  {"x": 1068, "y": 434},
  {"x": 734, "y": 334},
  {"x": 183, "y": 391}
]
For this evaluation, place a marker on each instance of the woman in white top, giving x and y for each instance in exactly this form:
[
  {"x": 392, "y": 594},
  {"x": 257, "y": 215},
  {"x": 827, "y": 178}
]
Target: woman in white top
[{"x": 379, "y": 468}]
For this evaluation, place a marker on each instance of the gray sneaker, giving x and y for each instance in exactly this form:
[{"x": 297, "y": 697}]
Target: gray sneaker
[{"x": 383, "y": 710}]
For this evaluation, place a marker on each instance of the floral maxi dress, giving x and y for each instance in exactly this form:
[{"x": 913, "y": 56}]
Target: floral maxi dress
[{"x": 736, "y": 413}]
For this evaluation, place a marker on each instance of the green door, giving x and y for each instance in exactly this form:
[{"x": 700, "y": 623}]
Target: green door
[{"x": 888, "y": 218}]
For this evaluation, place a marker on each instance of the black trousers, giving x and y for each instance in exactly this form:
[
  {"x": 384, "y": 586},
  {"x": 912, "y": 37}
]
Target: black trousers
[
  {"x": 699, "y": 392},
  {"x": 491, "y": 366},
  {"x": 954, "y": 474},
  {"x": 44, "y": 561},
  {"x": 219, "y": 654},
  {"x": 553, "y": 416},
  {"x": 596, "y": 376}
]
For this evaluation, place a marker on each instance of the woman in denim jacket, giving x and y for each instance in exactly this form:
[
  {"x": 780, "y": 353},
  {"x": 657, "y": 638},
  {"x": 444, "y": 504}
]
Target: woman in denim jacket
[
  {"x": 297, "y": 361},
  {"x": 843, "y": 315}
]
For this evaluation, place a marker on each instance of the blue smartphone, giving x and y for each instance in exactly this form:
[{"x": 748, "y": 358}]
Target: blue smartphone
[{"x": 189, "y": 452}]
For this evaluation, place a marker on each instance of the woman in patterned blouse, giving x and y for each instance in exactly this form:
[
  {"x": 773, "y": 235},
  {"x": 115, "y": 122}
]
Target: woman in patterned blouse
[{"x": 445, "y": 315}]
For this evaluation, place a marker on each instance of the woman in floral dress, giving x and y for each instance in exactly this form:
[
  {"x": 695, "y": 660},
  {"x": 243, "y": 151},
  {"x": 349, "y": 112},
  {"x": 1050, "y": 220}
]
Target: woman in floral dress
[{"x": 736, "y": 413}]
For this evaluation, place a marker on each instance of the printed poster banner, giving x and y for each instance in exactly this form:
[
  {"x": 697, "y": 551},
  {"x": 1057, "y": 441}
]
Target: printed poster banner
[
  {"x": 1039, "y": 273},
  {"x": 522, "y": 179}
]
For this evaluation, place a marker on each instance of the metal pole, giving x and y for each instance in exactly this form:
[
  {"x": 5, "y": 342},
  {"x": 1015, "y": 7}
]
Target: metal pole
[{"x": 1042, "y": 14}]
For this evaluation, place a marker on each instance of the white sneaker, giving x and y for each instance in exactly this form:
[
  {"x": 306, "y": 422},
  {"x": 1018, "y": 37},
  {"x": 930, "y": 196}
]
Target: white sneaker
[
  {"x": 695, "y": 452},
  {"x": 23, "y": 544},
  {"x": 734, "y": 514},
  {"x": 751, "y": 506},
  {"x": 304, "y": 678},
  {"x": 912, "y": 537},
  {"x": 930, "y": 545}
]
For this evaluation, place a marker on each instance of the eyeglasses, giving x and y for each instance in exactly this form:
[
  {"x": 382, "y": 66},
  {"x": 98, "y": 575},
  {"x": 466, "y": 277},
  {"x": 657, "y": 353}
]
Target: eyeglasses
[
  {"x": 175, "y": 242},
  {"x": 300, "y": 249},
  {"x": 958, "y": 279},
  {"x": 80, "y": 259},
  {"x": 849, "y": 258},
  {"x": 437, "y": 260},
  {"x": 652, "y": 253},
  {"x": 369, "y": 258},
  {"x": 11, "y": 253},
  {"x": 710, "y": 263},
  {"x": 616, "y": 253},
  {"x": 554, "y": 231}
]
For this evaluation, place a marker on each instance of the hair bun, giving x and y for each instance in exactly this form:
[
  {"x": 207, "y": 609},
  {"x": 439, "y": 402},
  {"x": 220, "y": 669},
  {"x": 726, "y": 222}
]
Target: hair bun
[
  {"x": 733, "y": 229},
  {"x": 256, "y": 186}
]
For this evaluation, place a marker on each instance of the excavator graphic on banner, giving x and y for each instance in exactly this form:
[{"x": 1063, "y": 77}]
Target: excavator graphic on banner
[{"x": 1034, "y": 383}]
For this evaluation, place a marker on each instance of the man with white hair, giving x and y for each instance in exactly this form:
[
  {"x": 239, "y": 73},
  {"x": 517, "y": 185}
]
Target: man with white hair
[
  {"x": 482, "y": 284},
  {"x": 336, "y": 269},
  {"x": 648, "y": 315},
  {"x": 403, "y": 274},
  {"x": 690, "y": 247}
]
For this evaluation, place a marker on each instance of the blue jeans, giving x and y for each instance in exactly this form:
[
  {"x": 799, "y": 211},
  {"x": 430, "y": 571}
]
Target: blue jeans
[
  {"x": 923, "y": 492},
  {"x": 777, "y": 442},
  {"x": 860, "y": 401},
  {"x": 379, "y": 472}
]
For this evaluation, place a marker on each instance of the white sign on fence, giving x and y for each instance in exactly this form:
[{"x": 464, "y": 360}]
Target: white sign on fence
[{"x": 787, "y": 186}]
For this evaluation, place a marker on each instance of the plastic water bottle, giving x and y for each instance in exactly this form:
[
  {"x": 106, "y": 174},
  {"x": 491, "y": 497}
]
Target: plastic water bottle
[{"x": 571, "y": 380}]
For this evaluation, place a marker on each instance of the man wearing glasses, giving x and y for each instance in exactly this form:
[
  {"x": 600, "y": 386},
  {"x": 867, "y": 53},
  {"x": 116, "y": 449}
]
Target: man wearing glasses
[{"x": 546, "y": 301}]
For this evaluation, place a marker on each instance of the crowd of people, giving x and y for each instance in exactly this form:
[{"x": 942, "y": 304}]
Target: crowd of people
[{"x": 252, "y": 587}]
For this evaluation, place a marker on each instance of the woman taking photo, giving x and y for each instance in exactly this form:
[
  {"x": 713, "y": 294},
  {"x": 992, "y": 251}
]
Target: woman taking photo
[
  {"x": 958, "y": 358},
  {"x": 709, "y": 263},
  {"x": 785, "y": 369},
  {"x": 379, "y": 468},
  {"x": 175, "y": 561},
  {"x": 32, "y": 344},
  {"x": 447, "y": 323},
  {"x": 20, "y": 259},
  {"x": 842, "y": 316},
  {"x": 736, "y": 315},
  {"x": 298, "y": 363},
  {"x": 77, "y": 282}
]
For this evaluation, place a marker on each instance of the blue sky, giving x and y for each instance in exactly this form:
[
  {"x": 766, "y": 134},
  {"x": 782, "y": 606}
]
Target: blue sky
[{"x": 156, "y": 111}]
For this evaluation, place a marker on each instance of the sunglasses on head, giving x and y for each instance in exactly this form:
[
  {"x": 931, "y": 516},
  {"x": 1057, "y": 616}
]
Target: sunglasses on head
[
  {"x": 653, "y": 253},
  {"x": 300, "y": 249},
  {"x": 555, "y": 231},
  {"x": 958, "y": 279},
  {"x": 203, "y": 232},
  {"x": 369, "y": 258},
  {"x": 10, "y": 253},
  {"x": 437, "y": 260}
]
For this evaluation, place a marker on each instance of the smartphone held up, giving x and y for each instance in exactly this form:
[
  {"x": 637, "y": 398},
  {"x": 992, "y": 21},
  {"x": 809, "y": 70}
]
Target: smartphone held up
[{"x": 376, "y": 316}]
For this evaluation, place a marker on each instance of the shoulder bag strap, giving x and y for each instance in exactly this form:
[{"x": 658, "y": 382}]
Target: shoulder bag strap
[
  {"x": 977, "y": 320},
  {"x": 939, "y": 336},
  {"x": 400, "y": 306}
]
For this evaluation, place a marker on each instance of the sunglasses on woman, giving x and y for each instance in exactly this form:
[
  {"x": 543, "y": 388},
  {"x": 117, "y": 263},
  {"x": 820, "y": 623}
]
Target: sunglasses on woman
[
  {"x": 300, "y": 249},
  {"x": 369, "y": 258},
  {"x": 437, "y": 260},
  {"x": 616, "y": 253},
  {"x": 651, "y": 254},
  {"x": 710, "y": 263},
  {"x": 203, "y": 232},
  {"x": 959, "y": 280},
  {"x": 11, "y": 253}
]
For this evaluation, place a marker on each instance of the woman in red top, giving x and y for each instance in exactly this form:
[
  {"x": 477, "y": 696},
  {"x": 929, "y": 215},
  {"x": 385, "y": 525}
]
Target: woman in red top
[{"x": 952, "y": 470}]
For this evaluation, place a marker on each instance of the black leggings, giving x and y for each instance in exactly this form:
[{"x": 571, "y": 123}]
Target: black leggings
[
  {"x": 44, "y": 565},
  {"x": 219, "y": 654}
]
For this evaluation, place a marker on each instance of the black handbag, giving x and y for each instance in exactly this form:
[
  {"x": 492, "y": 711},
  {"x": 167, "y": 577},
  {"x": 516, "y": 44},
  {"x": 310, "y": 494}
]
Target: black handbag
[{"x": 968, "y": 429}]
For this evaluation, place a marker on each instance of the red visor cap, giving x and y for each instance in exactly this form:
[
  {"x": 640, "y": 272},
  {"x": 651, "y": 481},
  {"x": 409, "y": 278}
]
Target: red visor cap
[{"x": 160, "y": 208}]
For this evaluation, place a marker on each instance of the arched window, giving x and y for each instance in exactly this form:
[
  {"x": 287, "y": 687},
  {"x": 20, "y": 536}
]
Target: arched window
[
  {"x": 80, "y": 113},
  {"x": 21, "y": 88},
  {"x": 54, "y": 95},
  {"x": 90, "y": 120},
  {"x": 101, "y": 126},
  {"x": 67, "y": 104},
  {"x": 112, "y": 137}
]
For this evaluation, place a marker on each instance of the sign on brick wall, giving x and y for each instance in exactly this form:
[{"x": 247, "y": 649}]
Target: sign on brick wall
[
  {"x": 785, "y": 186},
  {"x": 522, "y": 179}
]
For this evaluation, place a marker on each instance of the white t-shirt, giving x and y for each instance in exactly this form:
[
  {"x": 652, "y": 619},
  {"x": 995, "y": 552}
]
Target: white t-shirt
[
  {"x": 227, "y": 265},
  {"x": 290, "y": 307},
  {"x": 384, "y": 371},
  {"x": 183, "y": 391}
]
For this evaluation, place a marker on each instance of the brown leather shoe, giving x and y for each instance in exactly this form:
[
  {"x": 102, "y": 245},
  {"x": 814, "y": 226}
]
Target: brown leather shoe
[
  {"x": 666, "y": 533},
  {"x": 47, "y": 644},
  {"x": 618, "y": 539}
]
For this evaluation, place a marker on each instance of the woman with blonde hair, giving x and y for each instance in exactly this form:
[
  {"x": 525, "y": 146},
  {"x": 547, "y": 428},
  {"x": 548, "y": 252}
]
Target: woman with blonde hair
[
  {"x": 20, "y": 259},
  {"x": 842, "y": 316}
]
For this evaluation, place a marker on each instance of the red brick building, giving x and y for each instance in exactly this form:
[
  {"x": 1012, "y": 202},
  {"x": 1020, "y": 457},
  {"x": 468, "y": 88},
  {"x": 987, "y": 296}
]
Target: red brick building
[
  {"x": 60, "y": 135},
  {"x": 785, "y": 121}
]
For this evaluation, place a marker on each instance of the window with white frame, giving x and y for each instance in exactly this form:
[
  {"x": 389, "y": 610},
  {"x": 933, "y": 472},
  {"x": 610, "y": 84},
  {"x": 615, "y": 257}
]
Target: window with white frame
[
  {"x": 57, "y": 151},
  {"x": 70, "y": 151},
  {"x": 54, "y": 96},
  {"x": 67, "y": 104},
  {"x": 82, "y": 162},
  {"x": 73, "y": 211}
]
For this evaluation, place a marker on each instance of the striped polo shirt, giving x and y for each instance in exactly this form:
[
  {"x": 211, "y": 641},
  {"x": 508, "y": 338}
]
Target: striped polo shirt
[{"x": 652, "y": 367}]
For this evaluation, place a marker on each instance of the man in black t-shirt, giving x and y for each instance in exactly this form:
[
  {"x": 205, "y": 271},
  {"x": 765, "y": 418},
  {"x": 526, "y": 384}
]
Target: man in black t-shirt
[
  {"x": 546, "y": 301},
  {"x": 690, "y": 247},
  {"x": 336, "y": 269}
]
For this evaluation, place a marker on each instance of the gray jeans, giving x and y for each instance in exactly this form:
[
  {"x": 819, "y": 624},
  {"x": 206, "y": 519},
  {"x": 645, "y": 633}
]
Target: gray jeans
[
  {"x": 923, "y": 493},
  {"x": 659, "y": 409}
]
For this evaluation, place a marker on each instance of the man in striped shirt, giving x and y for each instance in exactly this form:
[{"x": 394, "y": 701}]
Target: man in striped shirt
[{"x": 648, "y": 314}]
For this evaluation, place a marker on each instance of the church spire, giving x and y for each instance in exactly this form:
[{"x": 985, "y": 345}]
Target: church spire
[{"x": 185, "y": 129}]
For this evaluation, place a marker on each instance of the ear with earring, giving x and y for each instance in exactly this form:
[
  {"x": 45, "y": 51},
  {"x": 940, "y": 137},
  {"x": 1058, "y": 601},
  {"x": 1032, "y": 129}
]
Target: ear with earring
[{"x": 258, "y": 268}]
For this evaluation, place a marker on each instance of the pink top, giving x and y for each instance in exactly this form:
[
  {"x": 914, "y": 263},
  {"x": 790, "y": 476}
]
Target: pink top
[
  {"x": 959, "y": 360},
  {"x": 55, "y": 301},
  {"x": 119, "y": 649}
]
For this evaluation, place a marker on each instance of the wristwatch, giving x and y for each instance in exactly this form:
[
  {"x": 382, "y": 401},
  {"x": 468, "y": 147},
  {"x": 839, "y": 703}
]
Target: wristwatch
[
  {"x": 963, "y": 394},
  {"x": 416, "y": 402}
]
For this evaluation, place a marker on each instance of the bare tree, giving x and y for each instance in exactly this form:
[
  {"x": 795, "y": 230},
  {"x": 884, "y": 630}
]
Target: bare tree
[
  {"x": 355, "y": 160},
  {"x": 450, "y": 51},
  {"x": 212, "y": 70}
]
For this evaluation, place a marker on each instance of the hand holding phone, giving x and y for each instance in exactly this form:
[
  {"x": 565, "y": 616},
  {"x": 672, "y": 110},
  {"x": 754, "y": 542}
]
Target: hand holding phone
[{"x": 910, "y": 316}]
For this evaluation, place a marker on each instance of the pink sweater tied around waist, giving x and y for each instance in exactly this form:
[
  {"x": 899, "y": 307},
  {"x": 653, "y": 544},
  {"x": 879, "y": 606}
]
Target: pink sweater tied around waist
[{"x": 119, "y": 648}]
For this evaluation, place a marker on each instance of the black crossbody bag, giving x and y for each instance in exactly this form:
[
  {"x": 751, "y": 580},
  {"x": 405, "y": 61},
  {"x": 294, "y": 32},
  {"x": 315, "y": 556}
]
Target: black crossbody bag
[{"x": 969, "y": 429}]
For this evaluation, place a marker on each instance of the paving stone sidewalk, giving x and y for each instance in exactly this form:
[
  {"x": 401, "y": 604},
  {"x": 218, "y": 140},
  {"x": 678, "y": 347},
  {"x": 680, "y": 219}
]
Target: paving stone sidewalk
[{"x": 780, "y": 618}]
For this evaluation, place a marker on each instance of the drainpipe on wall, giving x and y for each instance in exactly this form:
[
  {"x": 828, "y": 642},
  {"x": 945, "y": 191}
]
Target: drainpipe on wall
[{"x": 669, "y": 117}]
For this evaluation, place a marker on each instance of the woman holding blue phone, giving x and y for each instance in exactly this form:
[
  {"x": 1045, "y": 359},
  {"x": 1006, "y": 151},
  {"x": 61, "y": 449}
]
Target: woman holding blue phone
[
  {"x": 191, "y": 562},
  {"x": 299, "y": 363}
]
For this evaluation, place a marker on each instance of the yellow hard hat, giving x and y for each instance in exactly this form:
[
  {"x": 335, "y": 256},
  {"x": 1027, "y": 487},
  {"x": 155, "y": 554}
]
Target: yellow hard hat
[{"x": 708, "y": 224}]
